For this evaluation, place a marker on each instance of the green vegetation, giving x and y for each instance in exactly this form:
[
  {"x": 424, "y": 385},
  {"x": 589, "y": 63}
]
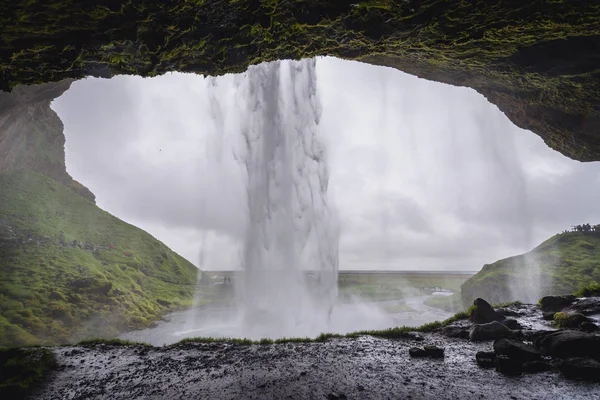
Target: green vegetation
[
  {"x": 567, "y": 262},
  {"x": 568, "y": 320},
  {"x": 536, "y": 60},
  {"x": 21, "y": 370},
  {"x": 71, "y": 271},
  {"x": 592, "y": 290}
]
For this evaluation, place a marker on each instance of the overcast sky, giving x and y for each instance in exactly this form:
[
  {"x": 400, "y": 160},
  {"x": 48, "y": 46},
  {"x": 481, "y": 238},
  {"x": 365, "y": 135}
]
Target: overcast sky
[{"x": 423, "y": 175}]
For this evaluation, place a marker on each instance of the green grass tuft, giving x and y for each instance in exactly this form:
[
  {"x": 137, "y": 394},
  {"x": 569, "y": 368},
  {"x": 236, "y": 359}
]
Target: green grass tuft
[
  {"x": 22, "y": 370},
  {"x": 592, "y": 290}
]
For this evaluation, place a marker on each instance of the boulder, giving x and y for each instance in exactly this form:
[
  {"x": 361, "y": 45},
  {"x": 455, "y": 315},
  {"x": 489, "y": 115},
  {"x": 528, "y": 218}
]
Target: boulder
[
  {"x": 536, "y": 366},
  {"x": 516, "y": 350},
  {"x": 455, "y": 332},
  {"x": 508, "y": 366},
  {"x": 483, "y": 313},
  {"x": 586, "y": 306},
  {"x": 417, "y": 352},
  {"x": 556, "y": 303},
  {"x": 581, "y": 368},
  {"x": 568, "y": 320},
  {"x": 512, "y": 324},
  {"x": 490, "y": 331},
  {"x": 486, "y": 359},
  {"x": 588, "y": 327},
  {"x": 569, "y": 343}
]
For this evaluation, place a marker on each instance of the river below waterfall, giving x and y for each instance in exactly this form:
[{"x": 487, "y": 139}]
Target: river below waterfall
[{"x": 226, "y": 322}]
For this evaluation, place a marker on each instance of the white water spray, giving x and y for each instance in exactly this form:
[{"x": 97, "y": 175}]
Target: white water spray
[{"x": 291, "y": 228}]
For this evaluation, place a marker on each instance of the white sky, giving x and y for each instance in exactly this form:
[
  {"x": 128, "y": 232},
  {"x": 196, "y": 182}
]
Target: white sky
[{"x": 424, "y": 175}]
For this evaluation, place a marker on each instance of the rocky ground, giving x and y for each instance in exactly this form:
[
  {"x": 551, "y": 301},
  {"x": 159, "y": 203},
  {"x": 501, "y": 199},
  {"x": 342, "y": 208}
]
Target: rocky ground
[{"x": 529, "y": 360}]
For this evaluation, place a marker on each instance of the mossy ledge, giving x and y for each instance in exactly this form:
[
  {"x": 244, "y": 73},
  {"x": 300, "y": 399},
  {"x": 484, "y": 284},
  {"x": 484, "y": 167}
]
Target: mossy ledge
[{"x": 536, "y": 60}]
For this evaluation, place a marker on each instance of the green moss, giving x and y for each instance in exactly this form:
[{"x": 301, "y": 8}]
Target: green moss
[
  {"x": 22, "y": 370},
  {"x": 568, "y": 320},
  {"x": 567, "y": 262},
  {"x": 592, "y": 290},
  {"x": 503, "y": 49},
  {"x": 60, "y": 279}
]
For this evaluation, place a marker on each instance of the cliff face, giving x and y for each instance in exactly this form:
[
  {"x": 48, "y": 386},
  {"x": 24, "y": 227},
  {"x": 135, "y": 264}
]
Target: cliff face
[
  {"x": 31, "y": 134},
  {"x": 536, "y": 60}
]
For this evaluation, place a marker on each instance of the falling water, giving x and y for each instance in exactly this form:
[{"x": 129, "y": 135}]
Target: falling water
[{"x": 291, "y": 227}]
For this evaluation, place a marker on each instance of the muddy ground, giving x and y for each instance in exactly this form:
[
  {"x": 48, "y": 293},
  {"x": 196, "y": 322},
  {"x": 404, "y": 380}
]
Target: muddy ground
[{"x": 362, "y": 368}]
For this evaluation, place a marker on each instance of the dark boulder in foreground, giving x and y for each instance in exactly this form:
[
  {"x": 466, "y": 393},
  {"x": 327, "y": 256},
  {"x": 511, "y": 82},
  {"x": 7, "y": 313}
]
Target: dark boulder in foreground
[
  {"x": 569, "y": 343},
  {"x": 483, "y": 313},
  {"x": 486, "y": 359},
  {"x": 508, "y": 366},
  {"x": 490, "y": 331},
  {"x": 516, "y": 350},
  {"x": 556, "y": 303},
  {"x": 426, "y": 351},
  {"x": 582, "y": 368}
]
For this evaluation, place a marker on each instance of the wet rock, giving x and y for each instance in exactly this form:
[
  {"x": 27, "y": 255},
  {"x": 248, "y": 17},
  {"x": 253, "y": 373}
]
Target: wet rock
[
  {"x": 588, "y": 327},
  {"x": 556, "y": 303},
  {"x": 417, "y": 352},
  {"x": 581, "y": 368},
  {"x": 516, "y": 350},
  {"x": 486, "y": 359},
  {"x": 534, "y": 367},
  {"x": 586, "y": 306},
  {"x": 483, "y": 313},
  {"x": 548, "y": 316},
  {"x": 569, "y": 343},
  {"x": 512, "y": 324},
  {"x": 336, "y": 396},
  {"x": 508, "y": 366},
  {"x": 508, "y": 312},
  {"x": 490, "y": 331},
  {"x": 458, "y": 332},
  {"x": 434, "y": 351},
  {"x": 568, "y": 320}
]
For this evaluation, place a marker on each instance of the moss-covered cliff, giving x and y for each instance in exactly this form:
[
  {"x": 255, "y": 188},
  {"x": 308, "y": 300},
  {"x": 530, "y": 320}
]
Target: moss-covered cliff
[
  {"x": 562, "y": 264},
  {"x": 69, "y": 270},
  {"x": 538, "y": 60}
]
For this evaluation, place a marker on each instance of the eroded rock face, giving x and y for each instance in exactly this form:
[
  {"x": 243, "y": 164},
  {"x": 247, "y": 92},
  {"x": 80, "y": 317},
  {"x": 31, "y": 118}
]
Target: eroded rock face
[
  {"x": 536, "y": 60},
  {"x": 31, "y": 134}
]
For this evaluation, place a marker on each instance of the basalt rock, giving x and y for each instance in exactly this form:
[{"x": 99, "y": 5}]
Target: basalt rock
[
  {"x": 483, "y": 313},
  {"x": 490, "y": 331},
  {"x": 508, "y": 366},
  {"x": 516, "y": 350},
  {"x": 486, "y": 359},
  {"x": 556, "y": 303},
  {"x": 569, "y": 343},
  {"x": 581, "y": 368}
]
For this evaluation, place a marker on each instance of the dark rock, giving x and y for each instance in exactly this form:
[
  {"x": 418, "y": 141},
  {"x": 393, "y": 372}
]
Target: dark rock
[
  {"x": 336, "y": 396},
  {"x": 455, "y": 332},
  {"x": 588, "y": 327},
  {"x": 483, "y": 313},
  {"x": 567, "y": 320},
  {"x": 507, "y": 312},
  {"x": 536, "y": 366},
  {"x": 516, "y": 350},
  {"x": 512, "y": 324},
  {"x": 491, "y": 331},
  {"x": 587, "y": 306},
  {"x": 508, "y": 366},
  {"x": 417, "y": 352},
  {"x": 434, "y": 351},
  {"x": 548, "y": 316},
  {"x": 486, "y": 359},
  {"x": 581, "y": 368},
  {"x": 569, "y": 343},
  {"x": 556, "y": 303}
]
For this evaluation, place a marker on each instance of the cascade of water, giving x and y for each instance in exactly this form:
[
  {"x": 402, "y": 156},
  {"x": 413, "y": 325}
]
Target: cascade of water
[{"x": 290, "y": 227}]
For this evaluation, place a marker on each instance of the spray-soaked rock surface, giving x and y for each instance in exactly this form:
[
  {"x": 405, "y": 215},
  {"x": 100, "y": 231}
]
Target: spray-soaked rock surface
[{"x": 361, "y": 368}]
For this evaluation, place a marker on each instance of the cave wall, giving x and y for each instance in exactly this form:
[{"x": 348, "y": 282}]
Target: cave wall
[
  {"x": 538, "y": 60},
  {"x": 31, "y": 134}
]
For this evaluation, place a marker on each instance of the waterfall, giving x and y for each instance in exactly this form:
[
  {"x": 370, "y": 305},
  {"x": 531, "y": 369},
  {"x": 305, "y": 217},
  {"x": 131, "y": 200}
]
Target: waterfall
[{"x": 290, "y": 228}]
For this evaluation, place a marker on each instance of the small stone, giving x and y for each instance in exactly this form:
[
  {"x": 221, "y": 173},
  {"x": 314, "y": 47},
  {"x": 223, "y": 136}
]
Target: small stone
[
  {"x": 434, "y": 351},
  {"x": 417, "y": 352},
  {"x": 485, "y": 359}
]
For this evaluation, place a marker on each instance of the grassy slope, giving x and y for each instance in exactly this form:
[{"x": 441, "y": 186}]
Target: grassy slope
[
  {"x": 52, "y": 291},
  {"x": 569, "y": 261},
  {"x": 536, "y": 59}
]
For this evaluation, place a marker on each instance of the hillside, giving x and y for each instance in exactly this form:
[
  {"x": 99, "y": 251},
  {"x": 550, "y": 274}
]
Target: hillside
[
  {"x": 560, "y": 265},
  {"x": 69, "y": 270}
]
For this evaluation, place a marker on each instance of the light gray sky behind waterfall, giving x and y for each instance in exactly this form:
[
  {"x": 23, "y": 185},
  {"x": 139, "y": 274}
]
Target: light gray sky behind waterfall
[{"x": 425, "y": 176}]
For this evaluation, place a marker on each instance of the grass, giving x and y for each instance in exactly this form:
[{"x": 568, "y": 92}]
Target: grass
[
  {"x": 61, "y": 282},
  {"x": 592, "y": 290},
  {"x": 22, "y": 370},
  {"x": 567, "y": 262},
  {"x": 504, "y": 49}
]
